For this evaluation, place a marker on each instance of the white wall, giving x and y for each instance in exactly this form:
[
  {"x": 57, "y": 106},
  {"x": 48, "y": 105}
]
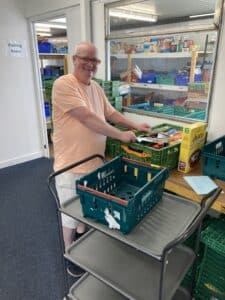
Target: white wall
[
  {"x": 19, "y": 124},
  {"x": 21, "y": 120}
]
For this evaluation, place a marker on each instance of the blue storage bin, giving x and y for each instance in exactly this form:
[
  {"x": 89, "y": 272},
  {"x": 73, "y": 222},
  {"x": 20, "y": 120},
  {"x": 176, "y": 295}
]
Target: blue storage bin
[
  {"x": 148, "y": 77},
  {"x": 45, "y": 47},
  {"x": 47, "y": 110},
  {"x": 63, "y": 50},
  {"x": 182, "y": 79},
  {"x": 47, "y": 71}
]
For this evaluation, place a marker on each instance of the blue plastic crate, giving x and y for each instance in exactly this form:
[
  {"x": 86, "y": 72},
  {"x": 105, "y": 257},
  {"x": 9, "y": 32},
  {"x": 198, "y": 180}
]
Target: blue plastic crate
[
  {"x": 148, "y": 77},
  {"x": 45, "y": 47},
  {"x": 144, "y": 106},
  {"x": 47, "y": 71},
  {"x": 122, "y": 191},
  {"x": 182, "y": 79},
  {"x": 213, "y": 156},
  {"x": 47, "y": 110}
]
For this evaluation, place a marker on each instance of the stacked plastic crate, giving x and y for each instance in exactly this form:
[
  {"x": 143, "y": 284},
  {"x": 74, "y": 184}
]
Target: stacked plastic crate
[
  {"x": 190, "y": 242},
  {"x": 211, "y": 280},
  {"x": 111, "y": 89}
]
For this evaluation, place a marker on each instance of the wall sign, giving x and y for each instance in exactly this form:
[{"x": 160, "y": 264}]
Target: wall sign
[{"x": 16, "y": 48}]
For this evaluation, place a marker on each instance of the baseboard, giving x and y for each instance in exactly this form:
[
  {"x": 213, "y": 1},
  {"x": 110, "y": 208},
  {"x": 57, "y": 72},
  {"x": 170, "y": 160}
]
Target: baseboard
[{"x": 21, "y": 159}]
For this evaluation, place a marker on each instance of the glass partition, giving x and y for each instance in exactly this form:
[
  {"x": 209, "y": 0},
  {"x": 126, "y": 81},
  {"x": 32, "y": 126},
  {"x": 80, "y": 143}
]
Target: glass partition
[{"x": 164, "y": 69}]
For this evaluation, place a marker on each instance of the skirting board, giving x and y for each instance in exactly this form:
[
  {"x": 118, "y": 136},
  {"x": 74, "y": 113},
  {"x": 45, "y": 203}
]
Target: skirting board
[{"x": 21, "y": 159}]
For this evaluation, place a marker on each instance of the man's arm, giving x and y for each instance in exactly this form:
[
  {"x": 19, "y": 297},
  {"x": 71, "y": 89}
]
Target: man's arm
[
  {"x": 96, "y": 124},
  {"x": 118, "y": 118}
]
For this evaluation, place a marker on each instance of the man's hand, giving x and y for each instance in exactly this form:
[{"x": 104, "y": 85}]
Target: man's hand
[
  {"x": 143, "y": 127},
  {"x": 128, "y": 136}
]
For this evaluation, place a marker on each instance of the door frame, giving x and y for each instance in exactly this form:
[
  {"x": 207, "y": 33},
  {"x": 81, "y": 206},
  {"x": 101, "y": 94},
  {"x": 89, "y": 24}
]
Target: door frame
[{"x": 37, "y": 74}]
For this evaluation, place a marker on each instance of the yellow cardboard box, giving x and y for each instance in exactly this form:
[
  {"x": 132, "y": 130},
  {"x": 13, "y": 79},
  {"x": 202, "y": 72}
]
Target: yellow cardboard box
[{"x": 193, "y": 139}]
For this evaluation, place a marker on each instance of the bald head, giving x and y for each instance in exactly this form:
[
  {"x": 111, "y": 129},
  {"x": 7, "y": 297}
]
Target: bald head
[
  {"x": 85, "y": 61},
  {"x": 84, "y": 47}
]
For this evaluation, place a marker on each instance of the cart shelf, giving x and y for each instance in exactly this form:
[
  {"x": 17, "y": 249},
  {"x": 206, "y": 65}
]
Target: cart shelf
[
  {"x": 90, "y": 288},
  {"x": 169, "y": 219},
  {"x": 132, "y": 273}
]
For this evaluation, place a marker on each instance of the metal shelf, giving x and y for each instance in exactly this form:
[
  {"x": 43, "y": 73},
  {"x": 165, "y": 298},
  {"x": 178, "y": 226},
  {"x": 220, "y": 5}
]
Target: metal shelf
[
  {"x": 155, "y": 55},
  {"x": 170, "y": 218},
  {"x": 129, "y": 271},
  {"x": 178, "y": 88},
  {"x": 90, "y": 288},
  {"x": 161, "y": 54}
]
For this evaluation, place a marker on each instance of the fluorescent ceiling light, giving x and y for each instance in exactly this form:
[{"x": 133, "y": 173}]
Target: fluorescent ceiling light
[
  {"x": 201, "y": 16},
  {"x": 43, "y": 29},
  {"x": 122, "y": 13},
  {"x": 49, "y": 25},
  {"x": 44, "y": 34},
  {"x": 58, "y": 20}
]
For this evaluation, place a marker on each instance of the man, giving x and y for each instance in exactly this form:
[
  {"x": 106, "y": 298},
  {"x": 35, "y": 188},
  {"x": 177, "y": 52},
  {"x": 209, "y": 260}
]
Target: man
[{"x": 80, "y": 114}]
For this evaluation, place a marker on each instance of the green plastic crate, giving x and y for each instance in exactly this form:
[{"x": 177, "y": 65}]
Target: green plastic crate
[
  {"x": 211, "y": 281},
  {"x": 213, "y": 157},
  {"x": 47, "y": 85},
  {"x": 166, "y": 157},
  {"x": 165, "y": 79},
  {"x": 113, "y": 148},
  {"x": 121, "y": 189},
  {"x": 190, "y": 242}
]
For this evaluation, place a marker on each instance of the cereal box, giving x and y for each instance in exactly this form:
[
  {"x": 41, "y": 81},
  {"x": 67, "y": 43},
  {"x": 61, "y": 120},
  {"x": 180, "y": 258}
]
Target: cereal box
[{"x": 193, "y": 139}]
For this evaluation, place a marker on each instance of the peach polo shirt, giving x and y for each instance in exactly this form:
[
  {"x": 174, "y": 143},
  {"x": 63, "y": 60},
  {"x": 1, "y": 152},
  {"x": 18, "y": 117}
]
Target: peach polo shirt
[{"x": 72, "y": 140}]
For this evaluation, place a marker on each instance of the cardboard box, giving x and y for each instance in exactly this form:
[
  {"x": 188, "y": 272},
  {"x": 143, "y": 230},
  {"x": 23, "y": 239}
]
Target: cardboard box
[{"x": 193, "y": 139}]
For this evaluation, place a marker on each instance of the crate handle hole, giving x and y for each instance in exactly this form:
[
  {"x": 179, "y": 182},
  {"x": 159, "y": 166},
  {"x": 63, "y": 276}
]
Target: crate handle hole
[
  {"x": 149, "y": 176},
  {"x": 135, "y": 172},
  {"x": 95, "y": 203}
]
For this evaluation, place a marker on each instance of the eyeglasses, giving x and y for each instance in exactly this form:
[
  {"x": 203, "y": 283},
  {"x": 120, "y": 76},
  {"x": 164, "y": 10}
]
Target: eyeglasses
[{"x": 87, "y": 60}]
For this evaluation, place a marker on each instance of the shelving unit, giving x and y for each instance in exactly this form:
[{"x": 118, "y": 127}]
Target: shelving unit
[
  {"x": 149, "y": 86},
  {"x": 149, "y": 263},
  {"x": 49, "y": 56},
  {"x": 168, "y": 91}
]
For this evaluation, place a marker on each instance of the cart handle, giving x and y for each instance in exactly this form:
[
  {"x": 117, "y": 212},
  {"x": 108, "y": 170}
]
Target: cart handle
[
  {"x": 206, "y": 203},
  {"x": 71, "y": 166}
]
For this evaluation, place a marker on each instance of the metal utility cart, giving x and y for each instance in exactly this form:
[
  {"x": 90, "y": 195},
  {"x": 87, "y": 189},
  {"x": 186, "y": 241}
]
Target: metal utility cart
[{"x": 149, "y": 263}]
